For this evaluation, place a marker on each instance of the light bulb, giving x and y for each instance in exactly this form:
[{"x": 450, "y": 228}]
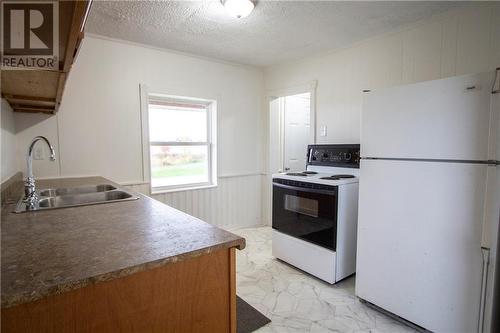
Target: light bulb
[{"x": 239, "y": 8}]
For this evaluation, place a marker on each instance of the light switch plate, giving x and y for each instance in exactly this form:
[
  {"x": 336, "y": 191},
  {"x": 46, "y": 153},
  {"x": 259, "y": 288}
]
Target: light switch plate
[
  {"x": 323, "y": 130},
  {"x": 39, "y": 153}
]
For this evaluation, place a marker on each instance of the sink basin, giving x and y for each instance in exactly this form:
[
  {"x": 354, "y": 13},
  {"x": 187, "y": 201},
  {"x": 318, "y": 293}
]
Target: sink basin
[
  {"x": 76, "y": 196},
  {"x": 83, "y": 199},
  {"x": 76, "y": 190}
]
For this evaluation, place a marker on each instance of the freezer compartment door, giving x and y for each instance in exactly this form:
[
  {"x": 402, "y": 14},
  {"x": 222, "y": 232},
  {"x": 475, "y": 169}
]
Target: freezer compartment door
[
  {"x": 419, "y": 241},
  {"x": 441, "y": 119}
]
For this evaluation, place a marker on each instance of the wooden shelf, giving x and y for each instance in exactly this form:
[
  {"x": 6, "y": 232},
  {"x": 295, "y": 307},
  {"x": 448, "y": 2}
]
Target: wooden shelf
[{"x": 35, "y": 90}]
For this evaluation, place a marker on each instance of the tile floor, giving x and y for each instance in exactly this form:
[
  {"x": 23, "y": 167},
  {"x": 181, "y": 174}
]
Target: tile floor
[{"x": 298, "y": 302}]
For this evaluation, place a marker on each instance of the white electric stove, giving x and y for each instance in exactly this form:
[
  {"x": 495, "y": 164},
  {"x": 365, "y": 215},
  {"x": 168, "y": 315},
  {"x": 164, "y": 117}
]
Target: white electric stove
[{"x": 315, "y": 213}]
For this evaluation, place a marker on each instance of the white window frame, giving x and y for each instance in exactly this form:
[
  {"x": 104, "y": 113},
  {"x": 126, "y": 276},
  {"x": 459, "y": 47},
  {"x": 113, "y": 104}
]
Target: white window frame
[{"x": 211, "y": 144}]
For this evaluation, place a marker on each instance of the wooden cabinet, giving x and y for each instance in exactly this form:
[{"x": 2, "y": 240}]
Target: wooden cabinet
[
  {"x": 194, "y": 295},
  {"x": 35, "y": 90}
]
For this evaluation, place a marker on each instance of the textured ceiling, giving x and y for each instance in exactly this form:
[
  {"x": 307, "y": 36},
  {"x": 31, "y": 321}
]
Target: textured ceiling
[{"x": 275, "y": 31}]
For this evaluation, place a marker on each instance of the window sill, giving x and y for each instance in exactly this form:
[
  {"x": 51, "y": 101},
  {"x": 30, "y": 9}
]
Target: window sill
[{"x": 181, "y": 189}]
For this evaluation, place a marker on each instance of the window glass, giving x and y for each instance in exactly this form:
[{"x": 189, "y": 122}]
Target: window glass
[
  {"x": 302, "y": 205},
  {"x": 182, "y": 151},
  {"x": 177, "y": 165},
  {"x": 177, "y": 124}
]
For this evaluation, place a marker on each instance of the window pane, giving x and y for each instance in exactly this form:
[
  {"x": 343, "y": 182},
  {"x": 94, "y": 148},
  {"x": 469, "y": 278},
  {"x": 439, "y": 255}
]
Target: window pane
[
  {"x": 177, "y": 165},
  {"x": 177, "y": 125}
]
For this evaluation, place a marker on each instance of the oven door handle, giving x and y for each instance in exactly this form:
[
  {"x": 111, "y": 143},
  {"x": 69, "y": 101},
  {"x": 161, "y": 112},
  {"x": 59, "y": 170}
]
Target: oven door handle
[{"x": 305, "y": 189}]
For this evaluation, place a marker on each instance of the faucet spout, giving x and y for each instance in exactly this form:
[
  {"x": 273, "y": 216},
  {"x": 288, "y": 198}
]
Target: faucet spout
[{"x": 30, "y": 196}]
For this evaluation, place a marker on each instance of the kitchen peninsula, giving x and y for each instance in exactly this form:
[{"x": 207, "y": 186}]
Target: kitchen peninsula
[{"x": 136, "y": 265}]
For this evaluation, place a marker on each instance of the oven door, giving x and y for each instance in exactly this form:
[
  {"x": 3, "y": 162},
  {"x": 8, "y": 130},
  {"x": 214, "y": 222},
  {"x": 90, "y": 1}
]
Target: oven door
[{"x": 307, "y": 211}]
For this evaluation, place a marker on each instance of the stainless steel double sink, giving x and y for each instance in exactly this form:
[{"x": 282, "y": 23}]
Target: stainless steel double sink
[{"x": 53, "y": 198}]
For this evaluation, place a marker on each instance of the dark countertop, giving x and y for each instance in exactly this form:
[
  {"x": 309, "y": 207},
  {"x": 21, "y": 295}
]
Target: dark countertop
[{"x": 53, "y": 251}]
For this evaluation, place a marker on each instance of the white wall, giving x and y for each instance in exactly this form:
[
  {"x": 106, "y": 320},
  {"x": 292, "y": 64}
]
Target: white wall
[
  {"x": 97, "y": 130},
  {"x": 99, "y": 118},
  {"x": 8, "y": 142},
  {"x": 28, "y": 126},
  {"x": 466, "y": 40}
]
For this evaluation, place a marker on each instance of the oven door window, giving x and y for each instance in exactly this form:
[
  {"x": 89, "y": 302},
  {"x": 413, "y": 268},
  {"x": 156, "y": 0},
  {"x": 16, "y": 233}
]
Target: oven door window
[
  {"x": 306, "y": 213},
  {"x": 301, "y": 205}
]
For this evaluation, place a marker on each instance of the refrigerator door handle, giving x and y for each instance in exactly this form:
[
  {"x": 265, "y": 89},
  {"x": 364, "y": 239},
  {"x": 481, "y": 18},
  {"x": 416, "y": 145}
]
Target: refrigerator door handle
[
  {"x": 496, "y": 82},
  {"x": 486, "y": 162},
  {"x": 482, "y": 305}
]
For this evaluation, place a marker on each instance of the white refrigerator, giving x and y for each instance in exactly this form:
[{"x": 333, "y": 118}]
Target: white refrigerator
[{"x": 428, "y": 201}]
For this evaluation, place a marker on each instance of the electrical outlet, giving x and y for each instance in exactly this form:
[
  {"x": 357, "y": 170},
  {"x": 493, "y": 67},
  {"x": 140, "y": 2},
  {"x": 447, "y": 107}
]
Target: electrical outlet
[{"x": 39, "y": 153}]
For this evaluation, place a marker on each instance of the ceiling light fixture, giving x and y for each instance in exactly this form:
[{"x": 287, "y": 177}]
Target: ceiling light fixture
[{"x": 239, "y": 8}]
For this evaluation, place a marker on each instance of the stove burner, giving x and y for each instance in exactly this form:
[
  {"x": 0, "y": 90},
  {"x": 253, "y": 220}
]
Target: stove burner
[
  {"x": 337, "y": 177},
  {"x": 309, "y": 172},
  {"x": 301, "y": 174}
]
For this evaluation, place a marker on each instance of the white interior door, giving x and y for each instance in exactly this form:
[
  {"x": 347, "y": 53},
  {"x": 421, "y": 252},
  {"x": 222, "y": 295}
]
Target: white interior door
[
  {"x": 275, "y": 135},
  {"x": 419, "y": 241},
  {"x": 297, "y": 126}
]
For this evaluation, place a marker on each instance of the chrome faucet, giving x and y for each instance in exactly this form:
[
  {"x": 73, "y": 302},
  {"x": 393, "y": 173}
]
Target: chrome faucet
[{"x": 30, "y": 196}]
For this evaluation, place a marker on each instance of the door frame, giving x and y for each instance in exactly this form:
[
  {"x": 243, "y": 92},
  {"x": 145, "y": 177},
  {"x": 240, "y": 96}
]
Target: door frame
[{"x": 295, "y": 90}]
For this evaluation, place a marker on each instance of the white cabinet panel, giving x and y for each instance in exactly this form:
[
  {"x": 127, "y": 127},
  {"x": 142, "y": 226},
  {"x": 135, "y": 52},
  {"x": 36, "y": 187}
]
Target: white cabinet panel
[
  {"x": 419, "y": 241},
  {"x": 438, "y": 119}
]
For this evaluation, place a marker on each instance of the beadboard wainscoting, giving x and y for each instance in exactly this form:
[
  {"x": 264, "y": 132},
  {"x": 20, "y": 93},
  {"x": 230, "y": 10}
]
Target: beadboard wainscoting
[{"x": 235, "y": 202}]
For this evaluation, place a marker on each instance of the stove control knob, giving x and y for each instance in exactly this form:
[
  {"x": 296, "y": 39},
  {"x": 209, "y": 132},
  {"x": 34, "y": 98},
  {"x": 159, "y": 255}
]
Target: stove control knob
[{"x": 325, "y": 155}]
